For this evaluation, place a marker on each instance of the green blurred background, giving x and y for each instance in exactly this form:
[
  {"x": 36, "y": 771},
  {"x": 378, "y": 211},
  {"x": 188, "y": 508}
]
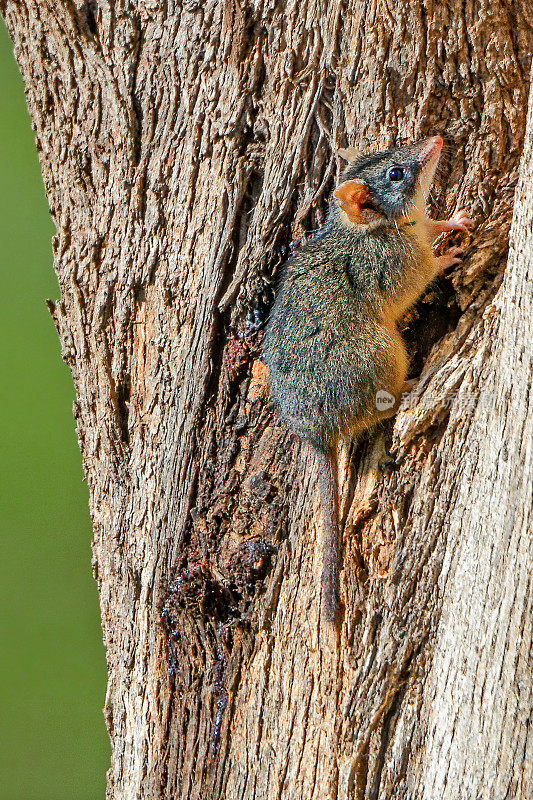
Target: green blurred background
[{"x": 52, "y": 667}]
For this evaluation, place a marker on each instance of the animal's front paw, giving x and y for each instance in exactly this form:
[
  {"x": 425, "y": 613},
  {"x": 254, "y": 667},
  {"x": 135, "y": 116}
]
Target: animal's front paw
[
  {"x": 459, "y": 222},
  {"x": 450, "y": 258},
  {"x": 462, "y": 221}
]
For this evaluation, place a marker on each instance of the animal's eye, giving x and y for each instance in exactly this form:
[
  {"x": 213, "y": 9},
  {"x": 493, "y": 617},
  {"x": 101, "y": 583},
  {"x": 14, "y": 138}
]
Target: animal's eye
[{"x": 396, "y": 174}]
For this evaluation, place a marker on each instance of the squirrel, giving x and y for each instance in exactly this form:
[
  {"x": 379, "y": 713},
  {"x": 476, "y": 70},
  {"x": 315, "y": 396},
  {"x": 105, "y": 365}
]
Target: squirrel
[{"x": 331, "y": 342}]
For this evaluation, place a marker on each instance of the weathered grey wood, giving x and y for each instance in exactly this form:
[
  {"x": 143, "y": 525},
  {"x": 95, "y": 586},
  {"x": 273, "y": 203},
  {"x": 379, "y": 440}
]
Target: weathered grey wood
[
  {"x": 477, "y": 709},
  {"x": 183, "y": 146}
]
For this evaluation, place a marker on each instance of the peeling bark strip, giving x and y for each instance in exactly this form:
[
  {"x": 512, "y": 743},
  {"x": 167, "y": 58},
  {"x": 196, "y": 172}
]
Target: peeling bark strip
[{"x": 183, "y": 145}]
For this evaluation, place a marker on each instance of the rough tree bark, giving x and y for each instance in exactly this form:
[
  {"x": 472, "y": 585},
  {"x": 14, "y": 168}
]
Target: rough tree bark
[{"x": 184, "y": 145}]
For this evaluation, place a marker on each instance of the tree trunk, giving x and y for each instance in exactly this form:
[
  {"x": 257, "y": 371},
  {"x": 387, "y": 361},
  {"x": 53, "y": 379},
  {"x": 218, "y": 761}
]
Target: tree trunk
[{"x": 183, "y": 146}]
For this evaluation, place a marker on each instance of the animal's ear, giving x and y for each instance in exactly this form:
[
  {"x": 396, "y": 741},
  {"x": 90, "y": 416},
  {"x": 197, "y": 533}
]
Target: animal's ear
[
  {"x": 349, "y": 154},
  {"x": 352, "y": 196}
]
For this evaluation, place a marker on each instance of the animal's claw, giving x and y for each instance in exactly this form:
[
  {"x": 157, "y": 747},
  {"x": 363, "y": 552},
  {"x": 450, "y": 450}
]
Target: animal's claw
[
  {"x": 450, "y": 258},
  {"x": 462, "y": 221}
]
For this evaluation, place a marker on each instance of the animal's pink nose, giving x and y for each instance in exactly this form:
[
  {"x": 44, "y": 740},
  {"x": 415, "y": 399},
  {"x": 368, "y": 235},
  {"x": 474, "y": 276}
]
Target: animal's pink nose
[{"x": 430, "y": 151}]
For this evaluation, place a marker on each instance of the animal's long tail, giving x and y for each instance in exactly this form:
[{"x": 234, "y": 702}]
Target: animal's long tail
[{"x": 331, "y": 545}]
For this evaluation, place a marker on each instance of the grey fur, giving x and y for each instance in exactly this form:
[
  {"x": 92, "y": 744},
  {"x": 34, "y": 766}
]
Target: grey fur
[{"x": 323, "y": 344}]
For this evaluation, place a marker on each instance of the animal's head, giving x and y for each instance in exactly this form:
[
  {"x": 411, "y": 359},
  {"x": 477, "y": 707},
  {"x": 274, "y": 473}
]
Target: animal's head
[{"x": 388, "y": 185}]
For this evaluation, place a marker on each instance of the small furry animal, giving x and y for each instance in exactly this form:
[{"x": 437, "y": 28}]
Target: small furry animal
[{"x": 331, "y": 343}]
